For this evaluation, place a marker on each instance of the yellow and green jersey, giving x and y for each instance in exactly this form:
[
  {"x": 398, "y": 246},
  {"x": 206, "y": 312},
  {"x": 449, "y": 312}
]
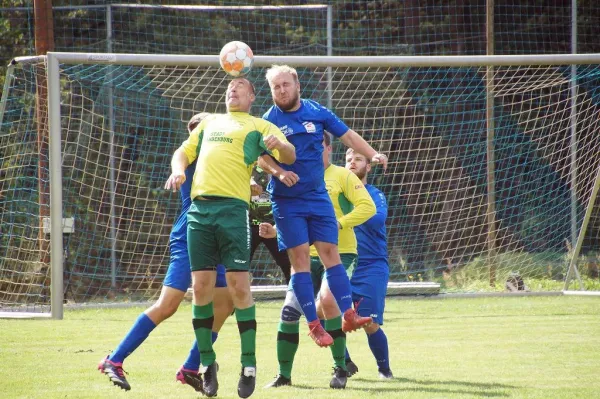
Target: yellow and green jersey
[
  {"x": 352, "y": 203},
  {"x": 226, "y": 147}
]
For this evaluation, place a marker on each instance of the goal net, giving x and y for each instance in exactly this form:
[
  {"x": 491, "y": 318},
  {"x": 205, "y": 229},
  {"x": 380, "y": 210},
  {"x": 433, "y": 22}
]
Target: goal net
[{"x": 491, "y": 181}]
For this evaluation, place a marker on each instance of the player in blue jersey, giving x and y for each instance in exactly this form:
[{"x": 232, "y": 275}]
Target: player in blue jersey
[
  {"x": 370, "y": 277},
  {"x": 175, "y": 285},
  {"x": 303, "y": 212}
]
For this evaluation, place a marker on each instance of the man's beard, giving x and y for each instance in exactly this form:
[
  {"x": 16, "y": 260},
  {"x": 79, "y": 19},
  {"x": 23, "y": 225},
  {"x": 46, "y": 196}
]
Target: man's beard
[
  {"x": 291, "y": 103},
  {"x": 361, "y": 173}
]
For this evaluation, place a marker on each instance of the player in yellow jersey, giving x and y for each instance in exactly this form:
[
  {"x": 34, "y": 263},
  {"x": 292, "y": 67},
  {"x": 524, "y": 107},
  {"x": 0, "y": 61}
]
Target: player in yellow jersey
[
  {"x": 226, "y": 148},
  {"x": 353, "y": 205}
]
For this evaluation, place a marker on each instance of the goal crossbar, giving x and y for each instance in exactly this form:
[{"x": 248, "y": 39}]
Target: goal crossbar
[{"x": 331, "y": 61}]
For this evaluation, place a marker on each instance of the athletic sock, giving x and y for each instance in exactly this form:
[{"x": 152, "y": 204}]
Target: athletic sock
[
  {"x": 203, "y": 322},
  {"x": 338, "y": 349},
  {"x": 246, "y": 321},
  {"x": 303, "y": 289},
  {"x": 339, "y": 284},
  {"x": 379, "y": 346},
  {"x": 142, "y": 327},
  {"x": 288, "y": 336}
]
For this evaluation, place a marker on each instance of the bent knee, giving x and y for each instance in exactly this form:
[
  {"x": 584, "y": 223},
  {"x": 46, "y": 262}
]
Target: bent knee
[
  {"x": 329, "y": 254},
  {"x": 162, "y": 311},
  {"x": 371, "y": 328},
  {"x": 201, "y": 285}
]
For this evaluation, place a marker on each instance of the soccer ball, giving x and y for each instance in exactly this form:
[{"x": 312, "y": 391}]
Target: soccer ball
[{"x": 236, "y": 58}]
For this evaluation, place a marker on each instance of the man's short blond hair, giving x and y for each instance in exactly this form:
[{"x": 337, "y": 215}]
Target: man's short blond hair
[
  {"x": 351, "y": 151},
  {"x": 195, "y": 120},
  {"x": 277, "y": 69}
]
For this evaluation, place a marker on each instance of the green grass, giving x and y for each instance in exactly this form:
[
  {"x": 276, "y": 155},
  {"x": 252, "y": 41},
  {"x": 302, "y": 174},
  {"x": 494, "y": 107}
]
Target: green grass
[{"x": 526, "y": 347}]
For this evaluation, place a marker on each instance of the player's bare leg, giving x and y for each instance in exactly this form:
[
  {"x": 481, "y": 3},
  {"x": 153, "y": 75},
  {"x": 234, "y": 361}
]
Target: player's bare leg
[
  {"x": 302, "y": 285},
  {"x": 223, "y": 305},
  {"x": 339, "y": 284},
  {"x": 167, "y": 304}
]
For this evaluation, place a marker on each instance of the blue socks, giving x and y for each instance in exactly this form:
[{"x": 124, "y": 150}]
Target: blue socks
[
  {"x": 379, "y": 346},
  {"x": 193, "y": 360},
  {"x": 142, "y": 327},
  {"x": 339, "y": 284},
  {"x": 302, "y": 285}
]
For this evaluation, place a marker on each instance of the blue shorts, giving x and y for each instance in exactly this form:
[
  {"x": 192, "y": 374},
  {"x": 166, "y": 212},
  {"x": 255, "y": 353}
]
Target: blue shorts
[
  {"x": 368, "y": 295},
  {"x": 179, "y": 273},
  {"x": 304, "y": 221}
]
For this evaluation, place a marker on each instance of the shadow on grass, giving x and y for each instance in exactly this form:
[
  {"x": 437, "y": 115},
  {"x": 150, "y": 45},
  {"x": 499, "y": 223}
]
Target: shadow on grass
[
  {"x": 482, "y": 385},
  {"x": 494, "y": 388},
  {"x": 379, "y": 389}
]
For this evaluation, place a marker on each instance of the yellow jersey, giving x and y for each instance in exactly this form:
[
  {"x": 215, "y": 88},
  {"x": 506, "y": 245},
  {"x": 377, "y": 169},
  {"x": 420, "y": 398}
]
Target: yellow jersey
[
  {"x": 226, "y": 147},
  {"x": 352, "y": 203}
]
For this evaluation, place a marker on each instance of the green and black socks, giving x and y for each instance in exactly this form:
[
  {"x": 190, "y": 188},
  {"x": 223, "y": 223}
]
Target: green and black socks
[
  {"x": 202, "y": 321},
  {"x": 338, "y": 349},
  {"x": 246, "y": 321},
  {"x": 288, "y": 336}
]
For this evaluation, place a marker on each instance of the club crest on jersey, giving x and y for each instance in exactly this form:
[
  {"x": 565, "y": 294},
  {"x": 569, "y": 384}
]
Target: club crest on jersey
[
  {"x": 286, "y": 130},
  {"x": 310, "y": 127}
]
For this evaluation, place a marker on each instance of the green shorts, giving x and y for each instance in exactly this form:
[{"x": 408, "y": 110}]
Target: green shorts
[
  {"x": 218, "y": 232},
  {"x": 317, "y": 270}
]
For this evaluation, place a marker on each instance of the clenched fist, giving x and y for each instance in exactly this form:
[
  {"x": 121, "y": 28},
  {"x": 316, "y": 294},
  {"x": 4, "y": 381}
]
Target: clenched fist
[{"x": 267, "y": 230}]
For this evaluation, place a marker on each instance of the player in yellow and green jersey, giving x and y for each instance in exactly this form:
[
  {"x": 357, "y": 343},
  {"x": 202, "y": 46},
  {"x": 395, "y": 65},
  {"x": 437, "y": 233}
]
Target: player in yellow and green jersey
[
  {"x": 353, "y": 205},
  {"x": 225, "y": 148}
]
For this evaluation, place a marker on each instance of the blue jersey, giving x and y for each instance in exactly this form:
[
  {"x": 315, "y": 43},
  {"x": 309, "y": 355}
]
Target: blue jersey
[
  {"x": 371, "y": 235},
  {"x": 304, "y": 128},
  {"x": 179, "y": 230}
]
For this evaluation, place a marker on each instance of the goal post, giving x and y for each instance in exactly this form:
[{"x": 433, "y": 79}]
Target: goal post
[{"x": 427, "y": 113}]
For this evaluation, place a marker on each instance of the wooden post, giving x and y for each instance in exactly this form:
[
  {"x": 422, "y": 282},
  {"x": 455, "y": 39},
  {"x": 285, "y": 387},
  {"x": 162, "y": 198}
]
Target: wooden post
[{"x": 44, "y": 42}]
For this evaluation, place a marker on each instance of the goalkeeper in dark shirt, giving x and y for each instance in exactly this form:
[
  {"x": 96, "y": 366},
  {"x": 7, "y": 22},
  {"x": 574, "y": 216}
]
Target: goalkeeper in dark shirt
[{"x": 261, "y": 212}]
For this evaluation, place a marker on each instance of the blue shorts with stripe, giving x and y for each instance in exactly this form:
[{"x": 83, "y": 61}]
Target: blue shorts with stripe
[
  {"x": 301, "y": 221},
  {"x": 179, "y": 273},
  {"x": 368, "y": 293}
]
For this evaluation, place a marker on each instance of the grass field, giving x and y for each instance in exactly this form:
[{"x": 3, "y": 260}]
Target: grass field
[{"x": 526, "y": 347}]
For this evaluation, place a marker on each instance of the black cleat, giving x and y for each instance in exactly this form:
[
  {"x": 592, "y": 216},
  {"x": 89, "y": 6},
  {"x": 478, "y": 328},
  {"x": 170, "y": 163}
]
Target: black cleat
[
  {"x": 280, "y": 381},
  {"x": 385, "y": 374},
  {"x": 115, "y": 373},
  {"x": 340, "y": 377},
  {"x": 191, "y": 378},
  {"x": 351, "y": 368},
  {"x": 211, "y": 384},
  {"x": 247, "y": 382}
]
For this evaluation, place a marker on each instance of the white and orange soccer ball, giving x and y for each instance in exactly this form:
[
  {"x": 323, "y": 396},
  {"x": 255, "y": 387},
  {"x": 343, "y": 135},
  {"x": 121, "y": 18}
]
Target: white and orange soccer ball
[{"x": 236, "y": 58}]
